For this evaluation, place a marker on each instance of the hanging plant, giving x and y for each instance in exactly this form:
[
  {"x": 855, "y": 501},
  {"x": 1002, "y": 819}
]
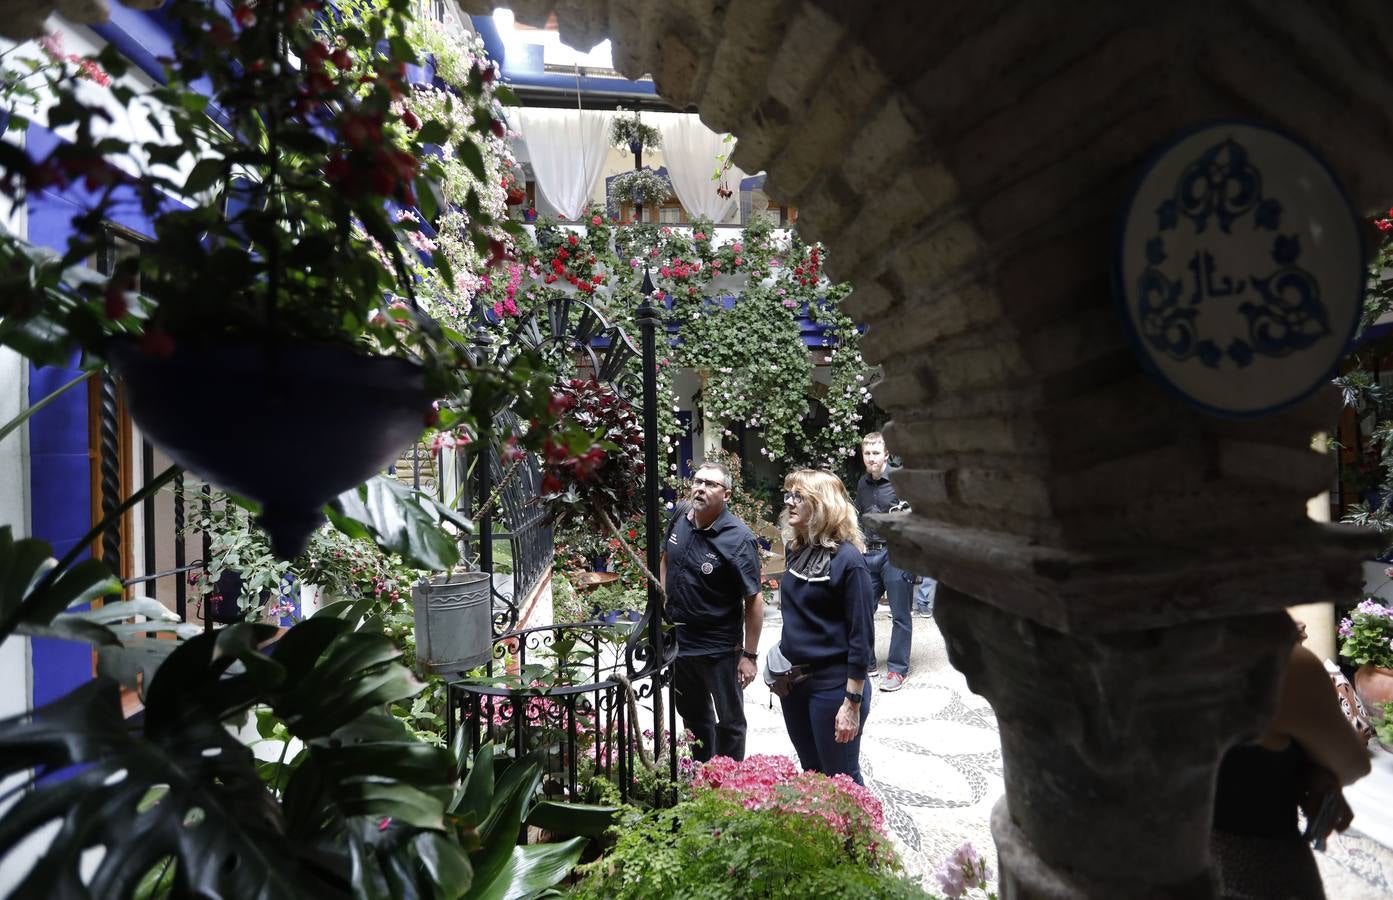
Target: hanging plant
[
  {"x": 628, "y": 130},
  {"x": 640, "y": 186}
]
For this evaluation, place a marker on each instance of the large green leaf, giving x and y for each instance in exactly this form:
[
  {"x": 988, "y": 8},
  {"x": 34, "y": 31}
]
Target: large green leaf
[
  {"x": 585, "y": 819},
  {"x": 529, "y": 870},
  {"x": 352, "y": 809},
  {"x": 402, "y": 521}
]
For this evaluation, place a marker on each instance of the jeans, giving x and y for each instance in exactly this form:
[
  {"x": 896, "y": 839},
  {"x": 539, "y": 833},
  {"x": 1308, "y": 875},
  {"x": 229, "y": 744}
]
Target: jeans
[
  {"x": 898, "y": 587},
  {"x": 701, "y": 681},
  {"x": 810, "y": 715},
  {"x": 924, "y": 592}
]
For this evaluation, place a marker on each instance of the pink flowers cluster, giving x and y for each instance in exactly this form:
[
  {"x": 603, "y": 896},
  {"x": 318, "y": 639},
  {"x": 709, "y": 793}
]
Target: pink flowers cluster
[
  {"x": 52, "y": 47},
  {"x": 776, "y": 783},
  {"x": 962, "y": 870},
  {"x": 1385, "y": 225}
]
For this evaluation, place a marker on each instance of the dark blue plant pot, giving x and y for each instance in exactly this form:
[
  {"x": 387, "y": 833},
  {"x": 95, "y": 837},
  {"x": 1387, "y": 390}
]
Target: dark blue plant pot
[
  {"x": 280, "y": 406},
  {"x": 224, "y": 606},
  {"x": 529, "y": 215},
  {"x": 614, "y": 616},
  {"x": 599, "y": 564}
]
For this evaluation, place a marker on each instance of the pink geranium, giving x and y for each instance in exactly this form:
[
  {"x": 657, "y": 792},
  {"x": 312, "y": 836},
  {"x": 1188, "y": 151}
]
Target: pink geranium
[{"x": 775, "y": 783}]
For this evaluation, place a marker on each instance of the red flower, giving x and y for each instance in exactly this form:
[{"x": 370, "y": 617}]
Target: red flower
[
  {"x": 244, "y": 15},
  {"x": 551, "y": 484},
  {"x": 337, "y": 170},
  {"x": 341, "y": 59},
  {"x": 362, "y": 130},
  {"x": 572, "y": 239},
  {"x": 633, "y": 534},
  {"x": 496, "y": 126},
  {"x": 319, "y": 83},
  {"x": 563, "y": 254},
  {"x": 594, "y": 220},
  {"x": 115, "y": 302},
  {"x": 411, "y": 120},
  {"x": 157, "y": 344},
  {"x": 1385, "y": 225},
  {"x": 221, "y": 32},
  {"x": 315, "y": 54}
]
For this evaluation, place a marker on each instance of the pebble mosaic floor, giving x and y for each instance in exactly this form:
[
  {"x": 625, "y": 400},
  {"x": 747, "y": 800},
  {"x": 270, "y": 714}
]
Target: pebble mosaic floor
[{"x": 932, "y": 756}]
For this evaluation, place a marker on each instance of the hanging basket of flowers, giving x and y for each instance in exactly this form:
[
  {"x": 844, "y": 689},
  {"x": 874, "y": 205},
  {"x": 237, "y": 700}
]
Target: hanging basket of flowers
[
  {"x": 268, "y": 338},
  {"x": 628, "y": 130},
  {"x": 640, "y": 186}
]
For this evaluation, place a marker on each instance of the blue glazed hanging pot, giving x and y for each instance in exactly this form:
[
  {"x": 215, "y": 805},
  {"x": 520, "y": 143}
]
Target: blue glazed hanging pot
[{"x": 288, "y": 426}]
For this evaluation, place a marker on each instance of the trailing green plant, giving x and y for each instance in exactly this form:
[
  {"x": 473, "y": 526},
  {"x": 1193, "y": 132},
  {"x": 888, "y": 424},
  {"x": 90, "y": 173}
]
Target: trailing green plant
[
  {"x": 238, "y": 546},
  {"x": 625, "y": 130},
  {"x": 288, "y": 236},
  {"x": 1359, "y": 385}
]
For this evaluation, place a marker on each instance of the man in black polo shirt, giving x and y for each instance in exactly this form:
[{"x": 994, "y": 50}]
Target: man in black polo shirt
[
  {"x": 710, "y": 570},
  {"x": 875, "y": 494}
]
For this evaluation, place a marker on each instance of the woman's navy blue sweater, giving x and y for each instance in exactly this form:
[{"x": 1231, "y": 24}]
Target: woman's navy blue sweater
[{"x": 827, "y": 611}]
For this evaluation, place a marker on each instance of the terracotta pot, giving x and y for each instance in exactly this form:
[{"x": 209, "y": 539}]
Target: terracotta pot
[{"x": 1374, "y": 685}]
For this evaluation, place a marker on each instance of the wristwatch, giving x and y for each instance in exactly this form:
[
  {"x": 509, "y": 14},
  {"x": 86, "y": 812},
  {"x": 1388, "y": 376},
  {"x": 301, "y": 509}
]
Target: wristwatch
[
  {"x": 853, "y": 697},
  {"x": 754, "y": 657}
]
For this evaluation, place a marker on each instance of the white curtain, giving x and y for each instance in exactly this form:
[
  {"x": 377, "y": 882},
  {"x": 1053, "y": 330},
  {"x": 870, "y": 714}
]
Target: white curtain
[
  {"x": 689, "y": 151},
  {"x": 567, "y": 148}
]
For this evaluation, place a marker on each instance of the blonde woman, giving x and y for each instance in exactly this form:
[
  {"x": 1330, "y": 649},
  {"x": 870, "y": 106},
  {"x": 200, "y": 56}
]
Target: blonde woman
[{"x": 825, "y": 599}]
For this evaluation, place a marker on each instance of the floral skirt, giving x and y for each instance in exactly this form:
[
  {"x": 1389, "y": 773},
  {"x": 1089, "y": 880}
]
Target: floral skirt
[{"x": 1263, "y": 868}]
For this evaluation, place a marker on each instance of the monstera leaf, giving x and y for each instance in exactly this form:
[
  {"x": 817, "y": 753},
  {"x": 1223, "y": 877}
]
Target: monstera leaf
[
  {"x": 41, "y": 597},
  {"x": 361, "y": 811}
]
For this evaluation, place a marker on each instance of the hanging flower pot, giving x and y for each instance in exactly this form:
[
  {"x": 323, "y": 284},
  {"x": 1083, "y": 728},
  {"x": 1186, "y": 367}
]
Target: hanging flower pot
[
  {"x": 291, "y": 427},
  {"x": 454, "y": 623},
  {"x": 636, "y": 147},
  {"x": 516, "y": 196}
]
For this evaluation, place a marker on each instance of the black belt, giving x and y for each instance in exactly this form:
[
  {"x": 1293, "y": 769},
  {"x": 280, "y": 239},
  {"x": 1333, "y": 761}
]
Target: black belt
[{"x": 876, "y": 545}]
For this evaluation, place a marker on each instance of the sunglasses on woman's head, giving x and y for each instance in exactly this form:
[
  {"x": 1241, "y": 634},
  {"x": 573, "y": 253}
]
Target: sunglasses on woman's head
[{"x": 793, "y": 498}]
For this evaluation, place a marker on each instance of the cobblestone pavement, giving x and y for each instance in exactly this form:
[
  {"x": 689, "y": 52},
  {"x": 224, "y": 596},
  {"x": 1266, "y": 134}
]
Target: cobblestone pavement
[{"x": 932, "y": 756}]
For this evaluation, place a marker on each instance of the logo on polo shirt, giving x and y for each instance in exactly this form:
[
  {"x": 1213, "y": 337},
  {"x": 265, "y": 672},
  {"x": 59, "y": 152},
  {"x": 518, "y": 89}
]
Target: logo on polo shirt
[
  {"x": 707, "y": 568},
  {"x": 672, "y": 539}
]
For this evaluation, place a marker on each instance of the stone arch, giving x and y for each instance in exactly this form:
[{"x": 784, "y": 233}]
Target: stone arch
[{"x": 1097, "y": 535}]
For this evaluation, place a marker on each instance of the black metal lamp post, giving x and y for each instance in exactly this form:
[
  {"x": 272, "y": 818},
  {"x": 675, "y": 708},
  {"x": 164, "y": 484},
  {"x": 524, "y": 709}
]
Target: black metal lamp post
[{"x": 649, "y": 320}]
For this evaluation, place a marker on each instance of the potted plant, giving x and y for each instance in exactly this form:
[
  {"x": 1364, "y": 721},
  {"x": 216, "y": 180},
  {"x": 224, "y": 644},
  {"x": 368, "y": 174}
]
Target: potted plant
[
  {"x": 628, "y": 130},
  {"x": 642, "y": 186},
  {"x": 1367, "y": 641},
  {"x": 283, "y": 293}
]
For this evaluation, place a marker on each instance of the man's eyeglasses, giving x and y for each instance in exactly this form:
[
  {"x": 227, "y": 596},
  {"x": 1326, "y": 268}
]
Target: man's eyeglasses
[
  {"x": 708, "y": 483},
  {"x": 793, "y": 498}
]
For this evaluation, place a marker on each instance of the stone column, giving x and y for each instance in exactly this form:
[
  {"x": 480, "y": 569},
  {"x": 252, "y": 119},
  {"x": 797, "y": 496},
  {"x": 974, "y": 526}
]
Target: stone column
[{"x": 1110, "y": 743}]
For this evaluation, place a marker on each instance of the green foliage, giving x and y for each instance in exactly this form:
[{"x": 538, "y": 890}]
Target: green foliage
[
  {"x": 1367, "y": 634},
  {"x": 627, "y": 129},
  {"x": 1383, "y": 725},
  {"x": 711, "y": 846},
  {"x": 1359, "y": 385},
  {"x": 358, "y": 807},
  {"x": 639, "y": 186}
]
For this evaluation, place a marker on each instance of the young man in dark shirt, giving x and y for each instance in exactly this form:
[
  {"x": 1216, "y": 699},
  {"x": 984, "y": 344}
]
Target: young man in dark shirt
[
  {"x": 875, "y": 494},
  {"x": 710, "y": 570}
]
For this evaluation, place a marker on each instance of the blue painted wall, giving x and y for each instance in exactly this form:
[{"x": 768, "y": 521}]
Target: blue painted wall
[{"x": 59, "y": 444}]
